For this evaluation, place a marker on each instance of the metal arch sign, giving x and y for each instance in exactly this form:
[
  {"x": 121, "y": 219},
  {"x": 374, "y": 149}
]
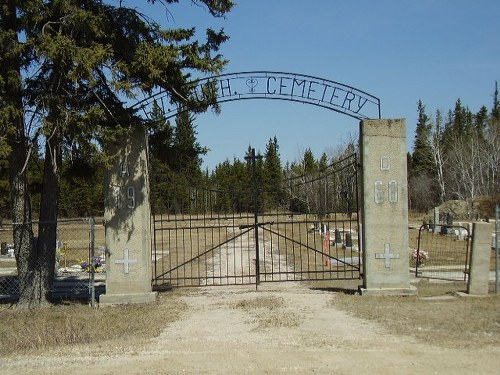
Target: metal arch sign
[{"x": 281, "y": 86}]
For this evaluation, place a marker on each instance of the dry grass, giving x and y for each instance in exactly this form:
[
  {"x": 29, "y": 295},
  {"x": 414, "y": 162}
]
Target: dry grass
[
  {"x": 461, "y": 322},
  {"x": 269, "y": 312},
  {"x": 77, "y": 324},
  {"x": 433, "y": 317}
]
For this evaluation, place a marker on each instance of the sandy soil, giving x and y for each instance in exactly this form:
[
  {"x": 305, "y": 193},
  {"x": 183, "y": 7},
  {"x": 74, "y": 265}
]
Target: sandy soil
[{"x": 302, "y": 334}]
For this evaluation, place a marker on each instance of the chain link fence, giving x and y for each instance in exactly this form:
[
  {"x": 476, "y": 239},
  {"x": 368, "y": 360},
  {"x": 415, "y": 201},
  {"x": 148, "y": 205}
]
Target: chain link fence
[{"x": 80, "y": 260}]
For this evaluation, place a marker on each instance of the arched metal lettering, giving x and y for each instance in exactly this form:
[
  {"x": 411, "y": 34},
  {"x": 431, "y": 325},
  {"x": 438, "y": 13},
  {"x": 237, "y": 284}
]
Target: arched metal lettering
[{"x": 281, "y": 86}]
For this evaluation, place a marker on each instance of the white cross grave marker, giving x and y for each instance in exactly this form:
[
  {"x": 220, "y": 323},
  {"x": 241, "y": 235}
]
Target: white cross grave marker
[
  {"x": 125, "y": 261},
  {"x": 387, "y": 255}
]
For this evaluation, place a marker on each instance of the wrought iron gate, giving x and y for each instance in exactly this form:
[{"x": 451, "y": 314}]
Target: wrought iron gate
[
  {"x": 304, "y": 228},
  {"x": 442, "y": 252}
]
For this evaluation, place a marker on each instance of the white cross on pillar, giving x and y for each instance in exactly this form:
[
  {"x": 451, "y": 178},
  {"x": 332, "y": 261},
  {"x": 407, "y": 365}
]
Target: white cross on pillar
[
  {"x": 387, "y": 255},
  {"x": 125, "y": 261}
]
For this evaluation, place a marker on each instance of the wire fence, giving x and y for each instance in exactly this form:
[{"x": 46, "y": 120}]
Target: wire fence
[
  {"x": 442, "y": 252},
  {"x": 79, "y": 260}
]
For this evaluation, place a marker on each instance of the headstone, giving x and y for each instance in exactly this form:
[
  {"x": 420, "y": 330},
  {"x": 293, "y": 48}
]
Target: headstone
[
  {"x": 348, "y": 240},
  {"x": 338, "y": 236},
  {"x": 3, "y": 248},
  {"x": 436, "y": 219},
  {"x": 449, "y": 218},
  {"x": 384, "y": 208},
  {"x": 461, "y": 234},
  {"x": 127, "y": 223}
]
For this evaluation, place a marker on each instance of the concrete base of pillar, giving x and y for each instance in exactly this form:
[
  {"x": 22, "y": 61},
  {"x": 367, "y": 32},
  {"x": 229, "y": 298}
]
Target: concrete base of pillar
[
  {"x": 122, "y": 299},
  {"x": 411, "y": 291}
]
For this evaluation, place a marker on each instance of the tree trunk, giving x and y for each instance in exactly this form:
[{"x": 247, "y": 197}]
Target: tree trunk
[
  {"x": 49, "y": 207},
  {"x": 26, "y": 258},
  {"x": 10, "y": 72}
]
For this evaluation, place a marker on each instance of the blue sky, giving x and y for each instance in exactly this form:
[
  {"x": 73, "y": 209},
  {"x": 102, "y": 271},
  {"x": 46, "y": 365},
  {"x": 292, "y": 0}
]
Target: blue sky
[{"x": 397, "y": 50}]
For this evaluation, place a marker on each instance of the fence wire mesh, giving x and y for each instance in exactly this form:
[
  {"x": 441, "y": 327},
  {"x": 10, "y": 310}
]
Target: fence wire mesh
[
  {"x": 79, "y": 260},
  {"x": 442, "y": 252}
]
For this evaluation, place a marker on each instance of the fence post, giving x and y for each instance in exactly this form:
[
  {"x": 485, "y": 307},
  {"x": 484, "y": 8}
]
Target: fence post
[
  {"x": 92, "y": 261},
  {"x": 497, "y": 255},
  {"x": 480, "y": 259}
]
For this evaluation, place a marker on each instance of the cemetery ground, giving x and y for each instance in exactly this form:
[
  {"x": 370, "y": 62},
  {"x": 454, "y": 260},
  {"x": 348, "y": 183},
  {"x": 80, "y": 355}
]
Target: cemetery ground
[{"x": 289, "y": 328}]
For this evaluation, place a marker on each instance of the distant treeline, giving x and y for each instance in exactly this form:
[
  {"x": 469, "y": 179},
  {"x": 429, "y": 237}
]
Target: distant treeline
[{"x": 455, "y": 156}]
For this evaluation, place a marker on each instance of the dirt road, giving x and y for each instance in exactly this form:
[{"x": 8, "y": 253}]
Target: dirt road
[{"x": 281, "y": 329}]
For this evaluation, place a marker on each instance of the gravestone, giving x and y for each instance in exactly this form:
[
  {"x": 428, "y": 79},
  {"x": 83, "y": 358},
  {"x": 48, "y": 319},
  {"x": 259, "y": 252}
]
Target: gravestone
[
  {"x": 127, "y": 218},
  {"x": 338, "y": 236},
  {"x": 384, "y": 209},
  {"x": 436, "y": 219},
  {"x": 348, "y": 240}
]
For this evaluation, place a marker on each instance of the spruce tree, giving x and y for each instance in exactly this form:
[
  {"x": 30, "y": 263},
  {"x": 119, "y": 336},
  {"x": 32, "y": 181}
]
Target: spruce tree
[
  {"x": 84, "y": 58},
  {"x": 187, "y": 151},
  {"x": 161, "y": 151},
  {"x": 495, "y": 110},
  {"x": 273, "y": 175},
  {"x": 309, "y": 163},
  {"x": 323, "y": 162},
  {"x": 422, "y": 154}
]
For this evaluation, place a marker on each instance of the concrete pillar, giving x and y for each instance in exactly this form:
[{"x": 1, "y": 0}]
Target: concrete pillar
[
  {"x": 384, "y": 208},
  {"x": 480, "y": 259},
  {"x": 127, "y": 218}
]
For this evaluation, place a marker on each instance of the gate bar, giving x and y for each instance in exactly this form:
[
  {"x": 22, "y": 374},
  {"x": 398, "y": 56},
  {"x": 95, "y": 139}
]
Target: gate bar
[{"x": 252, "y": 158}]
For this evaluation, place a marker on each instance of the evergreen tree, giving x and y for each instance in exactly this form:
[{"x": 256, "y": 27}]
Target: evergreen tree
[
  {"x": 161, "y": 136},
  {"x": 273, "y": 175},
  {"x": 323, "y": 162},
  {"x": 481, "y": 122},
  {"x": 309, "y": 163},
  {"x": 161, "y": 151},
  {"x": 82, "y": 190},
  {"x": 186, "y": 158},
  {"x": 15, "y": 141},
  {"x": 421, "y": 157},
  {"x": 461, "y": 122},
  {"x": 85, "y": 57},
  {"x": 175, "y": 158},
  {"x": 495, "y": 110}
]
